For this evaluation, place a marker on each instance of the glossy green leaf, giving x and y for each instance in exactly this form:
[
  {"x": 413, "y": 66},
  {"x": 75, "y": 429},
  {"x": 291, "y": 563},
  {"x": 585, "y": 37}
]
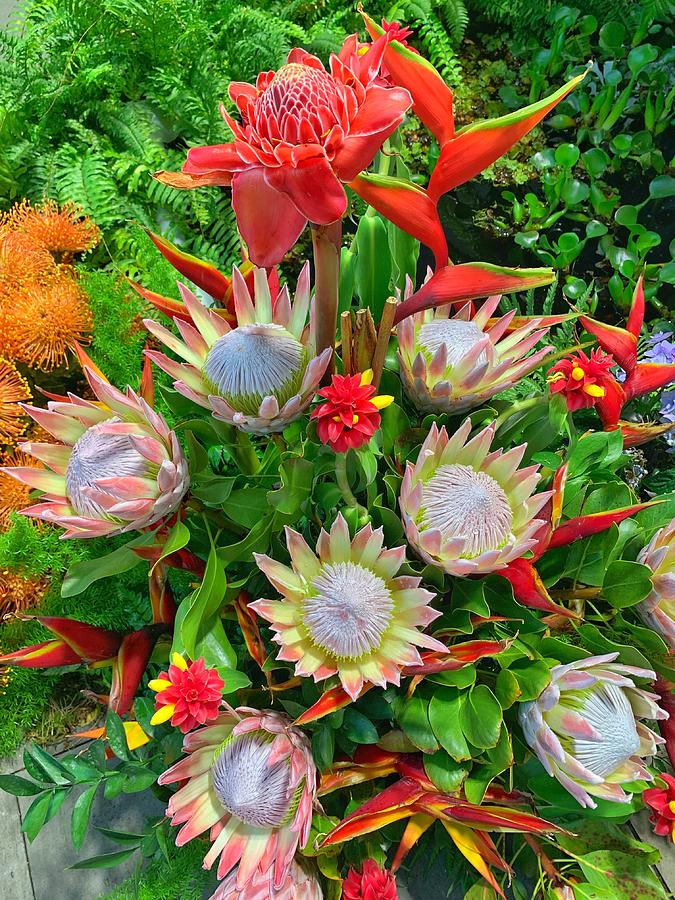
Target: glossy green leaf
[
  {"x": 413, "y": 718},
  {"x": 81, "y": 814},
  {"x": 481, "y": 717},
  {"x": 626, "y": 583},
  {"x": 444, "y": 772},
  {"x": 82, "y": 574},
  {"x": 105, "y": 860},
  {"x": 19, "y": 786},
  {"x": 116, "y": 735},
  {"x": 444, "y": 715},
  {"x": 359, "y": 728}
]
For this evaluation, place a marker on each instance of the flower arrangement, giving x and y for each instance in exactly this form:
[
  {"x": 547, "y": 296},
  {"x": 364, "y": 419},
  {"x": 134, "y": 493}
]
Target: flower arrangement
[{"x": 418, "y": 613}]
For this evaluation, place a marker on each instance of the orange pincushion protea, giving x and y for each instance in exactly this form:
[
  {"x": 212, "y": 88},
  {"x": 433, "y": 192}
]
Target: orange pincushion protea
[
  {"x": 21, "y": 261},
  {"x": 18, "y": 593},
  {"x": 14, "y": 495},
  {"x": 60, "y": 231},
  {"x": 13, "y": 391}
]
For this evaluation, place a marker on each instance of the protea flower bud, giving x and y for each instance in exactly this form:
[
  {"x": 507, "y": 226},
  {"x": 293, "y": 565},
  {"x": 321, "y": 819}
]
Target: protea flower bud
[
  {"x": 300, "y": 884},
  {"x": 259, "y": 376},
  {"x": 118, "y": 467},
  {"x": 250, "y": 779},
  {"x": 585, "y": 727},
  {"x": 466, "y": 510},
  {"x": 371, "y": 883},
  {"x": 657, "y": 610},
  {"x": 343, "y": 612},
  {"x": 456, "y": 364}
]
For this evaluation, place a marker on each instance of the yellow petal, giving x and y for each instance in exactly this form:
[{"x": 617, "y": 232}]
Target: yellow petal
[
  {"x": 159, "y": 684},
  {"x": 163, "y": 714},
  {"x": 578, "y": 373},
  {"x": 367, "y": 376},
  {"x": 179, "y": 661},
  {"x": 382, "y": 400},
  {"x": 135, "y": 735},
  {"x": 593, "y": 390}
]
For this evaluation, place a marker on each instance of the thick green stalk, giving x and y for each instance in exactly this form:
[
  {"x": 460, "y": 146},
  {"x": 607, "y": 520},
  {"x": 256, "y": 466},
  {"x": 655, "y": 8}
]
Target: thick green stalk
[{"x": 326, "y": 240}]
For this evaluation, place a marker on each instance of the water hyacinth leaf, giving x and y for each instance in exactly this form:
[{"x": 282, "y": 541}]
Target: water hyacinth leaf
[
  {"x": 481, "y": 717},
  {"x": 83, "y": 574},
  {"x": 445, "y": 773},
  {"x": 626, "y": 583},
  {"x": 413, "y": 717},
  {"x": 444, "y": 711}
]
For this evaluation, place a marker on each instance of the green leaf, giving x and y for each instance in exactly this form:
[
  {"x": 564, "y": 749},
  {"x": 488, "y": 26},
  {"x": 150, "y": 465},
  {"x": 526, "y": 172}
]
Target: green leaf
[
  {"x": 444, "y": 772},
  {"x": 444, "y": 712},
  {"x": 116, "y": 735},
  {"x": 246, "y": 506},
  {"x": 359, "y": 728},
  {"x": 82, "y": 574},
  {"x": 234, "y": 680},
  {"x": 507, "y": 688},
  {"x": 626, "y": 583},
  {"x": 51, "y": 768},
  {"x": 80, "y": 769},
  {"x": 36, "y": 816},
  {"x": 567, "y": 155},
  {"x": 394, "y": 423},
  {"x": 18, "y": 786},
  {"x": 179, "y": 537},
  {"x": 413, "y": 718},
  {"x": 662, "y": 187},
  {"x": 323, "y": 747},
  {"x": 373, "y": 263},
  {"x": 81, "y": 813},
  {"x": 532, "y": 676},
  {"x": 139, "y": 779},
  {"x": 120, "y": 837},
  {"x": 200, "y": 628},
  {"x": 297, "y": 476},
  {"x": 481, "y": 717},
  {"x": 105, "y": 861},
  {"x": 621, "y": 873}
]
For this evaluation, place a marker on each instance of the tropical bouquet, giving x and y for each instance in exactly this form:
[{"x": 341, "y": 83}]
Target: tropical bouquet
[{"x": 427, "y": 606}]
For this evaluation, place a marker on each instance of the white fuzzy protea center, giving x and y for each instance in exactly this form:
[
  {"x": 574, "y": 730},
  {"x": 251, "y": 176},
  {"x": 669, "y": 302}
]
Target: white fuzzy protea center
[
  {"x": 458, "y": 336},
  {"x": 97, "y": 455},
  {"x": 350, "y": 612},
  {"x": 248, "y": 786},
  {"x": 608, "y": 710},
  {"x": 252, "y": 362},
  {"x": 464, "y": 503}
]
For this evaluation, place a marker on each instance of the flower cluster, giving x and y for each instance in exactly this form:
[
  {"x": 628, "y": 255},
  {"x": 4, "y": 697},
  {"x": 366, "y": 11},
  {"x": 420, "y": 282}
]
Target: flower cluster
[{"x": 351, "y": 414}]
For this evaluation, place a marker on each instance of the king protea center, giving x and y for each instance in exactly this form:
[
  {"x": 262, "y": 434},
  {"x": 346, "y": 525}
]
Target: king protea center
[{"x": 343, "y": 610}]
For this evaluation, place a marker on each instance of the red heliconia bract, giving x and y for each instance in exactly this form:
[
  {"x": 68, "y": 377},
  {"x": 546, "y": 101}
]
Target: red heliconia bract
[
  {"x": 371, "y": 883},
  {"x": 304, "y": 131}
]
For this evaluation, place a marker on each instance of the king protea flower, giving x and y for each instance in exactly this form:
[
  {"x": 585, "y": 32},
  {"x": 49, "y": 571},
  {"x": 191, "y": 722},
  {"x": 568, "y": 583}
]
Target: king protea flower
[
  {"x": 304, "y": 131},
  {"x": 657, "y": 610},
  {"x": 188, "y": 694},
  {"x": 467, "y": 510},
  {"x": 299, "y": 884},
  {"x": 456, "y": 364},
  {"x": 259, "y": 376},
  {"x": 118, "y": 467},
  {"x": 250, "y": 780},
  {"x": 371, "y": 883},
  {"x": 344, "y": 612},
  {"x": 585, "y": 727}
]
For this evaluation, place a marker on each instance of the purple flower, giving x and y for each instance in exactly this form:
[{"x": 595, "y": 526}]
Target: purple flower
[{"x": 661, "y": 348}]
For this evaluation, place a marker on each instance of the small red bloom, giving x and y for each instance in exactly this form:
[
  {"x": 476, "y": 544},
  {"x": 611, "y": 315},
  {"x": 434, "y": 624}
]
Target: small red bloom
[
  {"x": 351, "y": 416},
  {"x": 397, "y": 32},
  {"x": 371, "y": 883},
  {"x": 662, "y": 803},
  {"x": 581, "y": 379},
  {"x": 188, "y": 695}
]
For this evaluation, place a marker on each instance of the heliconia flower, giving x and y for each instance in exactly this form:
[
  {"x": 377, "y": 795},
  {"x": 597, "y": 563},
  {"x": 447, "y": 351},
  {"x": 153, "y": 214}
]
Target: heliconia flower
[
  {"x": 657, "y": 610},
  {"x": 188, "y": 694},
  {"x": 581, "y": 379},
  {"x": 343, "y": 612},
  {"x": 118, "y": 467},
  {"x": 371, "y": 883},
  {"x": 304, "y": 131},
  {"x": 456, "y": 364},
  {"x": 661, "y": 801},
  {"x": 14, "y": 390},
  {"x": 586, "y": 731},
  {"x": 467, "y": 510},
  {"x": 250, "y": 780},
  {"x": 351, "y": 414},
  {"x": 300, "y": 884},
  {"x": 258, "y": 376}
]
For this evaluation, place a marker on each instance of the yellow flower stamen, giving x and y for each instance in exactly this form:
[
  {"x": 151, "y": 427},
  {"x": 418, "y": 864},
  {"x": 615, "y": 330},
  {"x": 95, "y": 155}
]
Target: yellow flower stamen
[
  {"x": 382, "y": 400},
  {"x": 179, "y": 661},
  {"x": 159, "y": 684},
  {"x": 578, "y": 373},
  {"x": 163, "y": 714},
  {"x": 367, "y": 377},
  {"x": 557, "y": 376},
  {"x": 593, "y": 390},
  {"x": 671, "y": 807},
  {"x": 355, "y": 419}
]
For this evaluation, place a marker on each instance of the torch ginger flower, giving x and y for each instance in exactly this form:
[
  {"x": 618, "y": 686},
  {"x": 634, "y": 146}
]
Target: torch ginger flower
[
  {"x": 188, "y": 695},
  {"x": 371, "y": 883},
  {"x": 118, "y": 467},
  {"x": 344, "y": 612},
  {"x": 250, "y": 780},
  {"x": 661, "y": 801},
  {"x": 583, "y": 380},
  {"x": 350, "y": 416},
  {"x": 304, "y": 131},
  {"x": 259, "y": 376},
  {"x": 585, "y": 727},
  {"x": 467, "y": 510},
  {"x": 657, "y": 610}
]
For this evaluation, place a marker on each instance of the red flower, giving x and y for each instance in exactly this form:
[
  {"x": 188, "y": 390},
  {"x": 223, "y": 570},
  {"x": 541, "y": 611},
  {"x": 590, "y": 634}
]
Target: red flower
[
  {"x": 350, "y": 417},
  {"x": 371, "y": 883},
  {"x": 582, "y": 380},
  {"x": 662, "y": 803},
  {"x": 303, "y": 132},
  {"x": 397, "y": 32},
  {"x": 189, "y": 695}
]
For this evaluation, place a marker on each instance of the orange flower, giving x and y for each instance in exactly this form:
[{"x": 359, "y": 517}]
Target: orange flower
[
  {"x": 62, "y": 231},
  {"x": 43, "y": 321},
  {"x": 21, "y": 261},
  {"x": 13, "y": 494},
  {"x": 13, "y": 390},
  {"x": 18, "y": 593}
]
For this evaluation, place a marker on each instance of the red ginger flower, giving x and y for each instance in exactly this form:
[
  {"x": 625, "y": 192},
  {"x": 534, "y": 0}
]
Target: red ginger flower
[
  {"x": 662, "y": 803},
  {"x": 188, "y": 695},
  {"x": 304, "y": 131},
  {"x": 371, "y": 883},
  {"x": 350, "y": 417},
  {"x": 582, "y": 380}
]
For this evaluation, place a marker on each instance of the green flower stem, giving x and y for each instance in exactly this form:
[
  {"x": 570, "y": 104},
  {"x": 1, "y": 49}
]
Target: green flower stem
[
  {"x": 244, "y": 453},
  {"x": 343, "y": 480},
  {"x": 326, "y": 241}
]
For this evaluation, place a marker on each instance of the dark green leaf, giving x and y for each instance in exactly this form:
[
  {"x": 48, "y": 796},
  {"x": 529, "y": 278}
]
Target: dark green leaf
[
  {"x": 358, "y": 728},
  {"x": 116, "y": 735},
  {"x": 105, "y": 861},
  {"x": 626, "y": 583},
  {"x": 444, "y": 772},
  {"x": 18, "y": 786},
  {"x": 81, "y": 813},
  {"x": 481, "y": 717},
  {"x": 444, "y": 712},
  {"x": 414, "y": 720}
]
